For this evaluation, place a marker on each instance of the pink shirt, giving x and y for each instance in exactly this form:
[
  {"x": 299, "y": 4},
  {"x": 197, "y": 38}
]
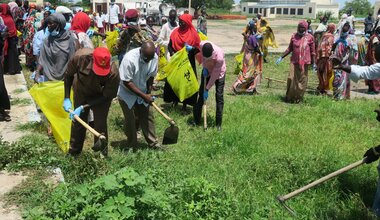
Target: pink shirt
[
  {"x": 301, "y": 48},
  {"x": 216, "y": 65}
]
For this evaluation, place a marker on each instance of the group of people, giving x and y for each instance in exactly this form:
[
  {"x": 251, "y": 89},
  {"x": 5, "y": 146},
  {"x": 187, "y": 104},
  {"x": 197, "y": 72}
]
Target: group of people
[
  {"x": 315, "y": 49},
  {"x": 61, "y": 46}
]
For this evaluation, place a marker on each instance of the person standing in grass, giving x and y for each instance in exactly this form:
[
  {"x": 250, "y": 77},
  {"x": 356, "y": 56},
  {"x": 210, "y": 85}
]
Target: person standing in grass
[
  {"x": 94, "y": 80},
  {"x": 267, "y": 38},
  {"x": 303, "y": 55},
  {"x": 373, "y": 85},
  {"x": 137, "y": 71},
  {"x": 250, "y": 74},
  {"x": 202, "y": 22},
  {"x": 324, "y": 66},
  {"x": 346, "y": 48},
  {"x": 167, "y": 30},
  {"x": 214, "y": 70}
]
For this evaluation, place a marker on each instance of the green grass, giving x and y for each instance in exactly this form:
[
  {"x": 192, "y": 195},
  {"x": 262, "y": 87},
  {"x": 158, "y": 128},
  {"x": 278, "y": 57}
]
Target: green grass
[
  {"x": 267, "y": 148},
  {"x": 20, "y": 101}
]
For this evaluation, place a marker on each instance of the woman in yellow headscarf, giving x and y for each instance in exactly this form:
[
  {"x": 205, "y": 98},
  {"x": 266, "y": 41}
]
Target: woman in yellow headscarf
[{"x": 268, "y": 39}]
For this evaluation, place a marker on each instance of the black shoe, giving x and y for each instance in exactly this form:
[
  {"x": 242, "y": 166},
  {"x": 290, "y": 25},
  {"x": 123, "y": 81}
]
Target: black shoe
[{"x": 4, "y": 116}]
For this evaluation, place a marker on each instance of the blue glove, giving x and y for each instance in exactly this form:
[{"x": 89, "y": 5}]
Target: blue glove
[
  {"x": 314, "y": 67},
  {"x": 205, "y": 95},
  {"x": 279, "y": 60},
  {"x": 188, "y": 47},
  {"x": 205, "y": 72},
  {"x": 77, "y": 111},
  {"x": 67, "y": 104}
]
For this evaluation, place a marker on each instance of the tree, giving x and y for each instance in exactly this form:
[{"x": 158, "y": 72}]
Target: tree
[
  {"x": 359, "y": 8},
  {"x": 198, "y": 4}
]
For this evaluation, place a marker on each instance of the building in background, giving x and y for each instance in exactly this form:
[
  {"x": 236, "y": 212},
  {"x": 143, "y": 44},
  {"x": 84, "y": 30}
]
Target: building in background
[{"x": 289, "y": 8}]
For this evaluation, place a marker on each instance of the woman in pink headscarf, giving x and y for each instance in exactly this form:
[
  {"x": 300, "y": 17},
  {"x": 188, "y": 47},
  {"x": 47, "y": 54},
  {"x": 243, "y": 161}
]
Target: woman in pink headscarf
[{"x": 303, "y": 55}]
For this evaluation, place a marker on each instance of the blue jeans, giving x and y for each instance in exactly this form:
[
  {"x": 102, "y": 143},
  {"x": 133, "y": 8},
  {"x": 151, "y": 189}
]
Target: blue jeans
[{"x": 376, "y": 202}]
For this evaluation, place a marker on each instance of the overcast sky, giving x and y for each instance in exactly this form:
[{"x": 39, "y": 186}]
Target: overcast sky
[{"x": 341, "y": 2}]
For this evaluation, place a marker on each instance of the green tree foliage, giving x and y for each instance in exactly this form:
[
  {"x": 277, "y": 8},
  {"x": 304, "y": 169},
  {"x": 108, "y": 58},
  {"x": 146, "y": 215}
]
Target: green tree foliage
[
  {"x": 198, "y": 4},
  {"x": 360, "y": 7}
]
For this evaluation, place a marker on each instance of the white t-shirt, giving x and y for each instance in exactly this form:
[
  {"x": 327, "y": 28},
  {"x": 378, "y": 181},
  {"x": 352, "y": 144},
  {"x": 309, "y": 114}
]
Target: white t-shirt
[
  {"x": 114, "y": 14},
  {"x": 99, "y": 21},
  {"x": 104, "y": 18}
]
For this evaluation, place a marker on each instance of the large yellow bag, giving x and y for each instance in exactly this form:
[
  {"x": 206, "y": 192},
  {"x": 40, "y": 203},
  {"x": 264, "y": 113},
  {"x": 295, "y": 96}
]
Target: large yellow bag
[
  {"x": 111, "y": 40},
  {"x": 180, "y": 75},
  {"x": 202, "y": 36},
  {"x": 162, "y": 62},
  {"x": 49, "y": 96}
]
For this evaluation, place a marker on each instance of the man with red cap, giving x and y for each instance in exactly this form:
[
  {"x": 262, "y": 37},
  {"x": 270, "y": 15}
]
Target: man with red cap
[{"x": 95, "y": 80}]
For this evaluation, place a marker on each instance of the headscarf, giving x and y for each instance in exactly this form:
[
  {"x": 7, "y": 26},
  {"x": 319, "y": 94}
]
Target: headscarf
[
  {"x": 81, "y": 23},
  {"x": 8, "y": 20},
  {"x": 303, "y": 23},
  {"x": 13, "y": 6},
  {"x": 331, "y": 28},
  {"x": 60, "y": 19},
  {"x": 57, "y": 50},
  {"x": 187, "y": 34}
]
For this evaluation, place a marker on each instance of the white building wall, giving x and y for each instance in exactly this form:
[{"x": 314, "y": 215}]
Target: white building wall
[{"x": 307, "y": 10}]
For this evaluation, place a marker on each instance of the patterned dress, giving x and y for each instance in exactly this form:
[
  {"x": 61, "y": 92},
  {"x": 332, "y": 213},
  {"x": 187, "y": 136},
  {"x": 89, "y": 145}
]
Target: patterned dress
[{"x": 346, "y": 49}]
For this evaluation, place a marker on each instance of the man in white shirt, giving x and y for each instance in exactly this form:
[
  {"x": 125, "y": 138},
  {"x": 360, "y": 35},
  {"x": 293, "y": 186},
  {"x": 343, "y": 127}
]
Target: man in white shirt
[
  {"x": 137, "y": 71},
  {"x": 104, "y": 18},
  {"x": 366, "y": 72},
  {"x": 114, "y": 15},
  {"x": 361, "y": 72},
  {"x": 99, "y": 23},
  {"x": 167, "y": 30}
]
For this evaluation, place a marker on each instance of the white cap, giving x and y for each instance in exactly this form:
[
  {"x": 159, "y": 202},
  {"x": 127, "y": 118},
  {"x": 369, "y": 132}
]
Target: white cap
[
  {"x": 63, "y": 10},
  {"x": 142, "y": 21}
]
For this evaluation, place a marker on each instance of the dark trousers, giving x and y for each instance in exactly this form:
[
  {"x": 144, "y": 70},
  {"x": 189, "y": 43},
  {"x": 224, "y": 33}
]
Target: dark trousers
[
  {"x": 197, "y": 110},
  {"x": 144, "y": 116},
  {"x": 78, "y": 132}
]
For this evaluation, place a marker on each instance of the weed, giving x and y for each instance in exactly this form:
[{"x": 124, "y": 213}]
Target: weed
[{"x": 21, "y": 101}]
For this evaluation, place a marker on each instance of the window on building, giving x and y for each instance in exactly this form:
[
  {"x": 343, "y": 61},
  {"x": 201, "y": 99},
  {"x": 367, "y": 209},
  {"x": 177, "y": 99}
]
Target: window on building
[
  {"x": 256, "y": 10},
  {"x": 244, "y": 9},
  {"x": 261, "y": 10},
  {"x": 292, "y": 11},
  {"x": 300, "y": 11},
  {"x": 310, "y": 10},
  {"x": 285, "y": 11},
  {"x": 272, "y": 10},
  {"x": 250, "y": 10},
  {"x": 278, "y": 11}
]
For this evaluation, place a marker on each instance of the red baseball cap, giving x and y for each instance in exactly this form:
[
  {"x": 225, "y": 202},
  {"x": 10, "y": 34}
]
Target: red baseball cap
[
  {"x": 101, "y": 64},
  {"x": 131, "y": 13}
]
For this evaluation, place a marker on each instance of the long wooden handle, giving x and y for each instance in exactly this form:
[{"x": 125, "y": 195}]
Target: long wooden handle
[
  {"x": 171, "y": 121},
  {"x": 321, "y": 180},
  {"x": 204, "y": 116},
  {"x": 88, "y": 127}
]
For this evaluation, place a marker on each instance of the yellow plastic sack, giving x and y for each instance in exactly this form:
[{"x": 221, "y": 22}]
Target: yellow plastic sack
[
  {"x": 19, "y": 34},
  {"x": 202, "y": 36},
  {"x": 180, "y": 75},
  {"x": 162, "y": 62},
  {"x": 111, "y": 41},
  {"x": 239, "y": 63},
  {"x": 49, "y": 96}
]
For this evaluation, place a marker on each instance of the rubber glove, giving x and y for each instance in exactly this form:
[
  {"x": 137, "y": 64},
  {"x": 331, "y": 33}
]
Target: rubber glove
[
  {"x": 372, "y": 154},
  {"x": 67, "y": 104},
  {"x": 205, "y": 72},
  {"x": 77, "y": 111},
  {"x": 205, "y": 95},
  {"x": 188, "y": 47},
  {"x": 279, "y": 60},
  {"x": 314, "y": 67}
]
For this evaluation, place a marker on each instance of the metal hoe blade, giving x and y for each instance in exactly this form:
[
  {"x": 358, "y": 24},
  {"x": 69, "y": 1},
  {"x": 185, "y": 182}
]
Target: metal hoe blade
[
  {"x": 100, "y": 144},
  {"x": 171, "y": 135},
  {"x": 282, "y": 202}
]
